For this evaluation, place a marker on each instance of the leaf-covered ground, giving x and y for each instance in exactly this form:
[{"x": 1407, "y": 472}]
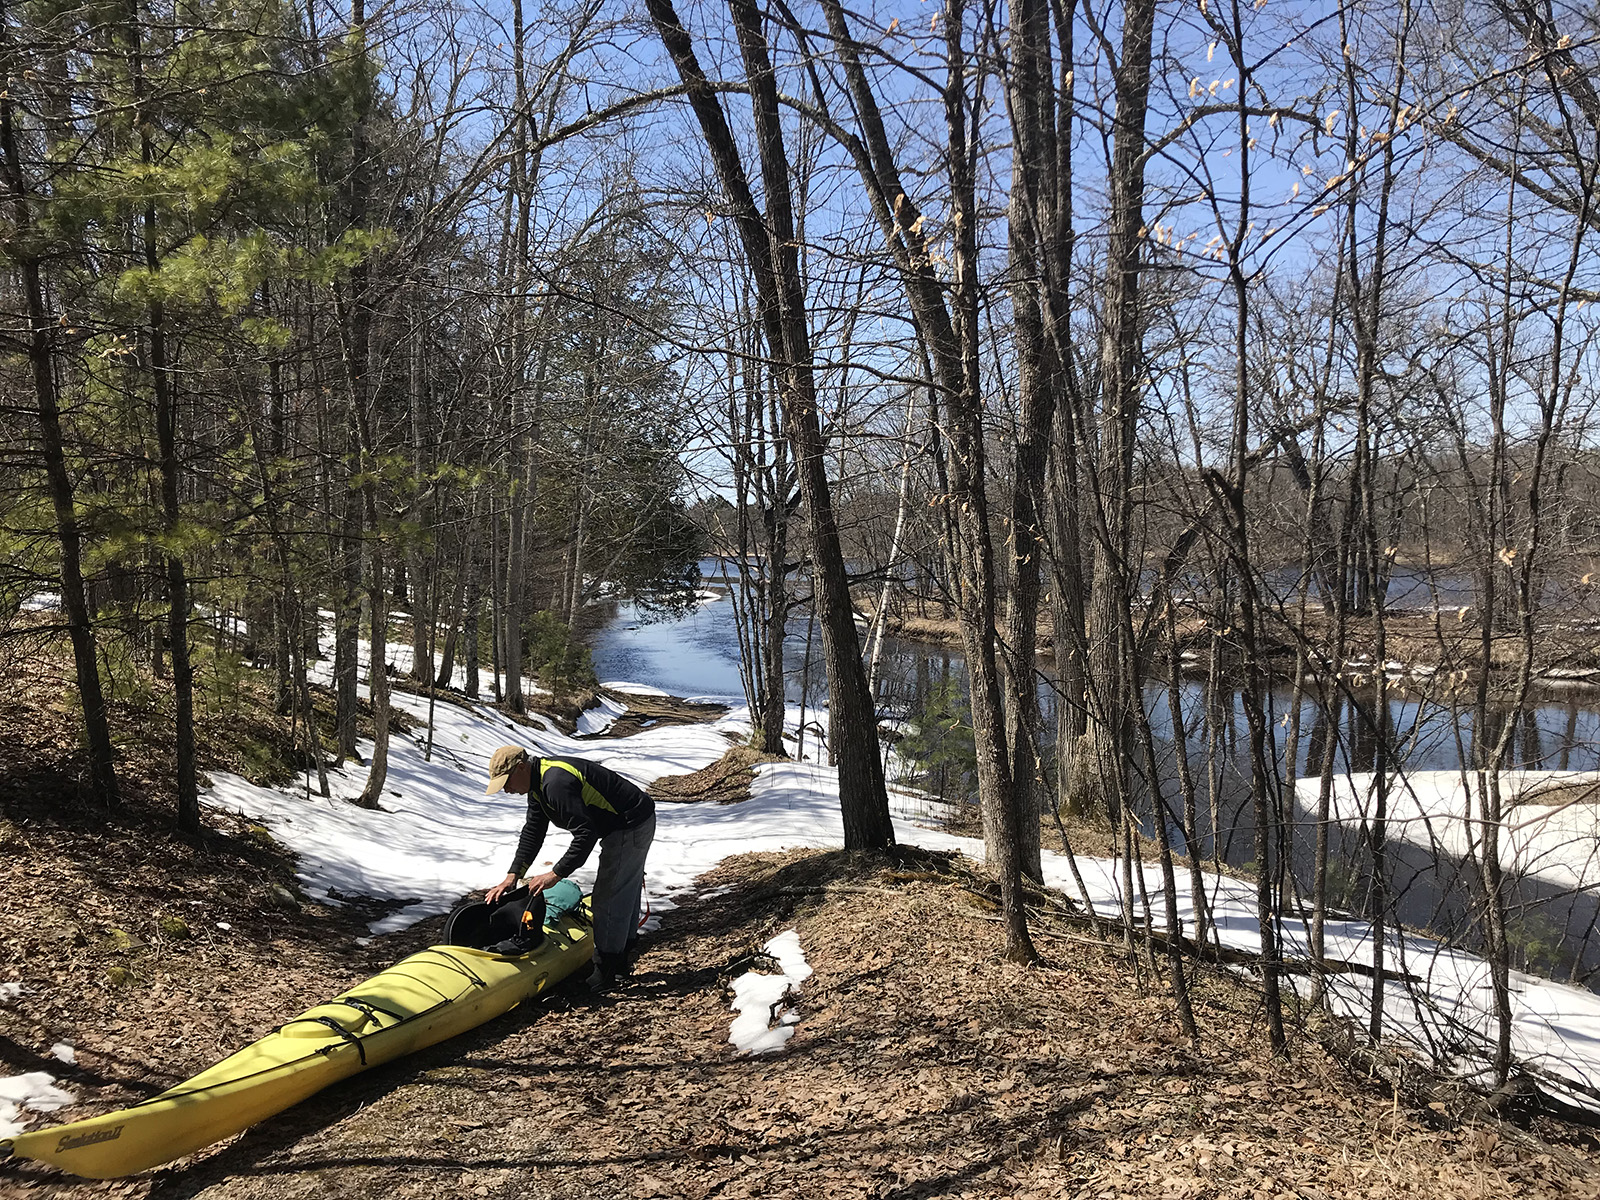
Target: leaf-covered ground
[{"x": 921, "y": 1065}]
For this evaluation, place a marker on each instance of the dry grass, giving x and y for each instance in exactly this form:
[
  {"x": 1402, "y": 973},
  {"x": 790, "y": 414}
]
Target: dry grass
[{"x": 726, "y": 781}]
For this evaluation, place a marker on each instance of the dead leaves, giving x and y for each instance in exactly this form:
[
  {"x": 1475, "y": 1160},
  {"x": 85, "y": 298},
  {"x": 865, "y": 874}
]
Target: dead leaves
[
  {"x": 726, "y": 781},
  {"x": 924, "y": 1068}
]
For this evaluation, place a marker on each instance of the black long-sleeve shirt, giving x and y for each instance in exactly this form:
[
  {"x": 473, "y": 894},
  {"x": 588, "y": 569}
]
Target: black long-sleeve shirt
[{"x": 581, "y": 796}]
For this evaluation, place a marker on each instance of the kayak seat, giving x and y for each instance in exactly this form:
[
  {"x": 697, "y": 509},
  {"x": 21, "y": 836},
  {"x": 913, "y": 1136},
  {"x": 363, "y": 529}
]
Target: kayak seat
[{"x": 478, "y": 925}]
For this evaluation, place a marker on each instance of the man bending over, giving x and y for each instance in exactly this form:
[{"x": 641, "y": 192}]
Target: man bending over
[{"x": 596, "y": 805}]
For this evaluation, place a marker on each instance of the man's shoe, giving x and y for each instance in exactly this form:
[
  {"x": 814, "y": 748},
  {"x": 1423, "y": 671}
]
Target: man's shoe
[
  {"x": 522, "y": 943},
  {"x": 608, "y": 969}
]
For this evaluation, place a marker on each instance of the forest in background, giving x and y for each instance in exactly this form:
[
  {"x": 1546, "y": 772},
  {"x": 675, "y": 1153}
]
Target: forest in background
[{"x": 1180, "y": 330}]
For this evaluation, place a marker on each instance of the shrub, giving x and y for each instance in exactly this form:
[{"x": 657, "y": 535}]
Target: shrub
[
  {"x": 555, "y": 658},
  {"x": 939, "y": 746}
]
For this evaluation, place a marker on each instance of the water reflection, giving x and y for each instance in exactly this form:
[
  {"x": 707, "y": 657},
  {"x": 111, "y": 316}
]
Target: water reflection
[{"x": 699, "y": 655}]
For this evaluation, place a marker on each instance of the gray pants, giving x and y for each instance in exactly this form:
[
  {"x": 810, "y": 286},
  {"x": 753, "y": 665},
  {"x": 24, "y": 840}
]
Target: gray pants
[{"x": 617, "y": 886}]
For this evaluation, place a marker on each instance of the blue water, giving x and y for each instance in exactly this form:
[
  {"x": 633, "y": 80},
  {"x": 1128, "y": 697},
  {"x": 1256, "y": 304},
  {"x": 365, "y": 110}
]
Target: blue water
[
  {"x": 698, "y": 655},
  {"x": 694, "y": 655}
]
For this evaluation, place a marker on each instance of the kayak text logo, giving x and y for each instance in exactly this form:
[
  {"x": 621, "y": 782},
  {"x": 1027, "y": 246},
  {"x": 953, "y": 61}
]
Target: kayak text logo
[{"x": 89, "y": 1139}]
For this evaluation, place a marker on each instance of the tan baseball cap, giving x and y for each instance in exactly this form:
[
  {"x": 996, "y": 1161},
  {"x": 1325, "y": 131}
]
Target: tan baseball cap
[{"x": 504, "y": 761}]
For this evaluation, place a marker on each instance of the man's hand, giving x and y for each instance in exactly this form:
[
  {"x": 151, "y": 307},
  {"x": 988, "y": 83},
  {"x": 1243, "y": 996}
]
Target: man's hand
[
  {"x": 538, "y": 883},
  {"x": 500, "y": 889}
]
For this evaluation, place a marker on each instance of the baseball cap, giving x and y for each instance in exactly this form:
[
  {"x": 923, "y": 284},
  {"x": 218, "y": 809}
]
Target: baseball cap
[{"x": 504, "y": 761}]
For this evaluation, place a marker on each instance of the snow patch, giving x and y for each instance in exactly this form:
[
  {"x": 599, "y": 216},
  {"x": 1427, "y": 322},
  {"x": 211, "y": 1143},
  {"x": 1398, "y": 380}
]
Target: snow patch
[
  {"x": 1439, "y": 811},
  {"x": 10, "y": 991},
  {"x": 35, "y": 1090},
  {"x": 64, "y": 1052},
  {"x": 761, "y": 1026},
  {"x": 637, "y": 689},
  {"x": 597, "y": 720},
  {"x": 439, "y": 837}
]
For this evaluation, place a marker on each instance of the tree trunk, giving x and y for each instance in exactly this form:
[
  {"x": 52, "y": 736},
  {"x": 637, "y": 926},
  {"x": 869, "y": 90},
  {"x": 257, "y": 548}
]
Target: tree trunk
[
  {"x": 184, "y": 769},
  {"x": 454, "y": 618},
  {"x": 294, "y": 618},
  {"x": 770, "y": 247},
  {"x": 347, "y": 629},
  {"x": 1366, "y": 309},
  {"x": 1169, "y": 877},
  {"x": 519, "y": 498},
  {"x": 775, "y": 528},
  {"x": 356, "y": 325},
  {"x": 950, "y": 338},
  {"x": 421, "y": 596},
  {"x": 284, "y": 615},
  {"x": 997, "y": 770},
  {"x": 1028, "y": 219},
  {"x": 378, "y": 680},
  {"x": 1180, "y": 753},
  {"x": 1115, "y": 580},
  {"x": 497, "y": 613},
  {"x": 880, "y": 614},
  {"x": 473, "y": 612},
  {"x": 24, "y": 249}
]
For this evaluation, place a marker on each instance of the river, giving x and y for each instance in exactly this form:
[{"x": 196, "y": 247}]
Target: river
[{"x": 698, "y": 655}]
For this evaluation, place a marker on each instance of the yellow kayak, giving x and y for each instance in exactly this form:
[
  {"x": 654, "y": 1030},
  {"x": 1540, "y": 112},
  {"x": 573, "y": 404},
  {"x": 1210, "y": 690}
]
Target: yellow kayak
[{"x": 421, "y": 1000}]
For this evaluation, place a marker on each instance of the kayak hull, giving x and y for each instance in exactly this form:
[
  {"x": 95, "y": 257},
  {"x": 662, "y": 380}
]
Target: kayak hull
[{"x": 420, "y": 1001}]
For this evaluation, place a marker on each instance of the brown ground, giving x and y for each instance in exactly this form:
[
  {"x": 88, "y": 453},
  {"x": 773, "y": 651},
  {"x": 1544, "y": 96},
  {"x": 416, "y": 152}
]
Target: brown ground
[
  {"x": 921, "y": 1067},
  {"x": 726, "y": 781},
  {"x": 651, "y": 712}
]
